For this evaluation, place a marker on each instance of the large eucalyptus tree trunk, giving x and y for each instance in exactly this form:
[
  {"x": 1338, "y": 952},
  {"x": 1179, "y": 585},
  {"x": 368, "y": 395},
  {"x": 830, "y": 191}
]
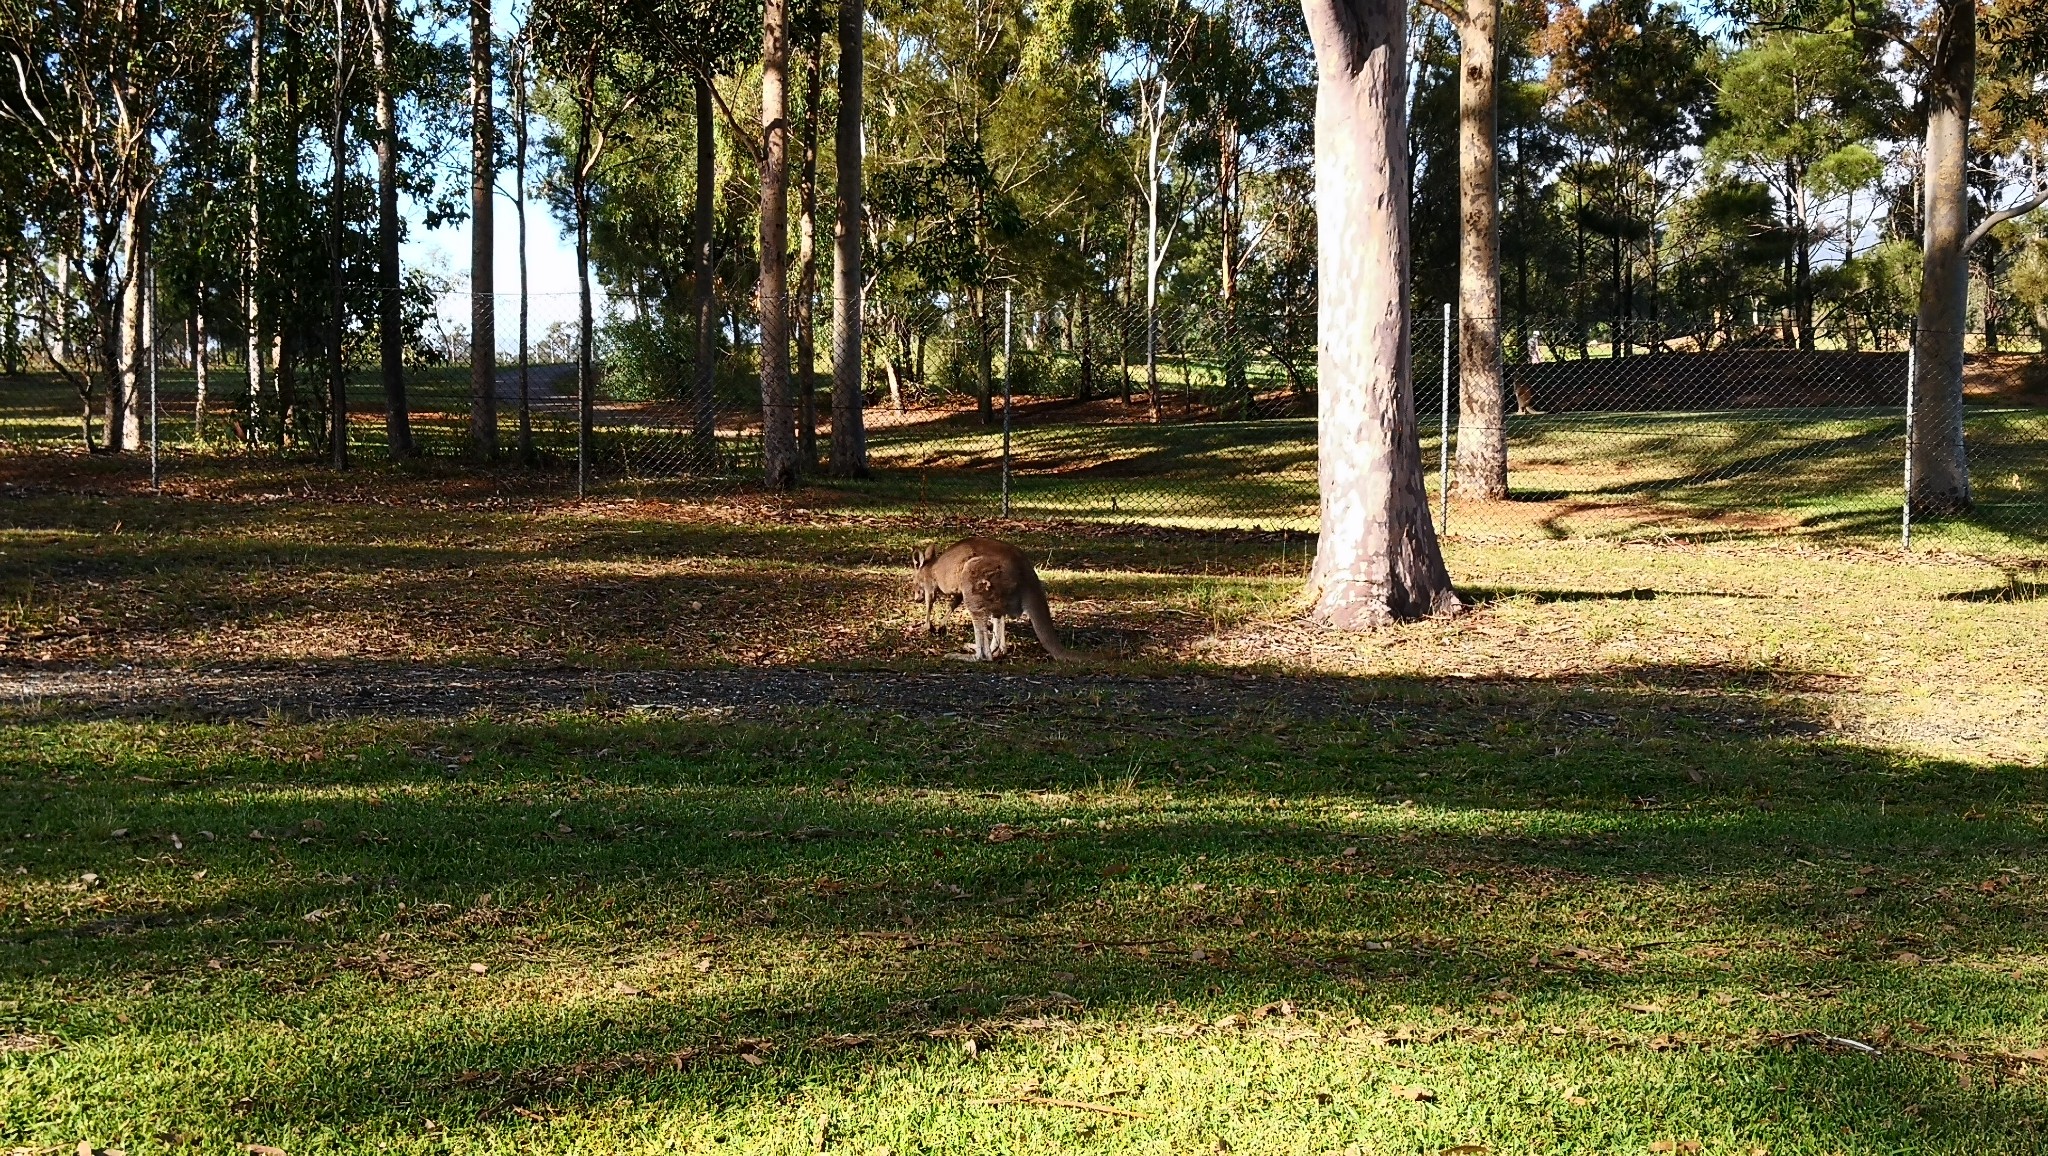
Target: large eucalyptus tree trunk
[
  {"x": 390, "y": 325},
  {"x": 849, "y": 430},
  {"x": 483, "y": 323},
  {"x": 252, "y": 271},
  {"x": 1377, "y": 558},
  {"x": 778, "y": 427},
  {"x": 1482, "y": 408},
  {"x": 1941, "y": 470}
]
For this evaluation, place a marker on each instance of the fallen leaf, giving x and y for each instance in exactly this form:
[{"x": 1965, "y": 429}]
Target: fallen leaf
[
  {"x": 1414, "y": 1092},
  {"x": 1002, "y": 833},
  {"x": 312, "y": 826},
  {"x": 627, "y": 989},
  {"x": 1463, "y": 1150},
  {"x": 1282, "y": 1008},
  {"x": 1663, "y": 1146},
  {"x": 754, "y": 1058},
  {"x": 1858, "y": 892},
  {"x": 116, "y": 833},
  {"x": 1230, "y": 1022},
  {"x": 1645, "y": 1008},
  {"x": 1906, "y": 958},
  {"x": 703, "y": 964},
  {"x": 479, "y": 968},
  {"x": 262, "y": 1150}
]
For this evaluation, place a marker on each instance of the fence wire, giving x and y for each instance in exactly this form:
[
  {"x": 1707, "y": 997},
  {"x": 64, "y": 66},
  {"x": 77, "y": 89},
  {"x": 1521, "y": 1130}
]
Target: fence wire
[{"x": 1735, "y": 426}]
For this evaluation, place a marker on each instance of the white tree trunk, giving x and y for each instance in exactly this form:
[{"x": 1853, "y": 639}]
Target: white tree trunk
[
  {"x": 778, "y": 422},
  {"x": 1377, "y": 558}
]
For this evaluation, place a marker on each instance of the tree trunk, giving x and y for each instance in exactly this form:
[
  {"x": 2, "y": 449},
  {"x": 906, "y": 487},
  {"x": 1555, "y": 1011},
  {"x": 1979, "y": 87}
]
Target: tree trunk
[
  {"x": 337, "y": 151},
  {"x": 483, "y": 312},
  {"x": 807, "y": 267},
  {"x": 1377, "y": 557},
  {"x": 199, "y": 365},
  {"x": 519, "y": 141},
  {"x": 1941, "y": 471},
  {"x": 586, "y": 371},
  {"x": 1236, "y": 379},
  {"x": 10, "y": 341},
  {"x": 252, "y": 274},
  {"x": 1085, "y": 335},
  {"x": 1482, "y": 404},
  {"x": 390, "y": 332},
  {"x": 778, "y": 426},
  {"x": 123, "y": 416},
  {"x": 704, "y": 284},
  {"x": 849, "y": 431}
]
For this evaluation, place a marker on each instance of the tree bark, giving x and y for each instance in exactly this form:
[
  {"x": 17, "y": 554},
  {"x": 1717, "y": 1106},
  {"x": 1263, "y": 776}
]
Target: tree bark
[
  {"x": 252, "y": 274},
  {"x": 390, "y": 332},
  {"x": 337, "y": 152},
  {"x": 123, "y": 415},
  {"x": 519, "y": 142},
  {"x": 1482, "y": 404},
  {"x": 807, "y": 268},
  {"x": 849, "y": 430},
  {"x": 199, "y": 366},
  {"x": 778, "y": 427},
  {"x": 1237, "y": 381},
  {"x": 586, "y": 370},
  {"x": 1941, "y": 471},
  {"x": 1377, "y": 557},
  {"x": 483, "y": 324},
  {"x": 704, "y": 283}
]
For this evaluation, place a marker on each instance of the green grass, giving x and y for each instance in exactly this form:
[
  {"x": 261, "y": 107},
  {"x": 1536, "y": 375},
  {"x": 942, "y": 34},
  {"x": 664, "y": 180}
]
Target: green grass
[
  {"x": 1602, "y": 865},
  {"x": 1587, "y": 917}
]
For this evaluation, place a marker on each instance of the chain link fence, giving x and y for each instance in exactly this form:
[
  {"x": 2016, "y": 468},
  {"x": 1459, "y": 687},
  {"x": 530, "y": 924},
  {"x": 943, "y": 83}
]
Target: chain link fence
[{"x": 1738, "y": 426}]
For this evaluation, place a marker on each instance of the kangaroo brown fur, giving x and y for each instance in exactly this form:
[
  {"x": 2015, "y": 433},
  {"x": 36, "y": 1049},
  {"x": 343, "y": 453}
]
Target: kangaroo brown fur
[{"x": 995, "y": 582}]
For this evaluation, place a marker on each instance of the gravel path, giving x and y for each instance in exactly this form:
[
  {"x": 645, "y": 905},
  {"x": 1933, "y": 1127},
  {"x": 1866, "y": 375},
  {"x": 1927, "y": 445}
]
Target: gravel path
[{"x": 312, "y": 690}]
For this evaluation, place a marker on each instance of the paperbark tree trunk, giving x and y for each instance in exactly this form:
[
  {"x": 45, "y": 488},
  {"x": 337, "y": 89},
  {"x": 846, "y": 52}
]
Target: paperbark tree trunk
[
  {"x": 704, "y": 395},
  {"x": 483, "y": 323},
  {"x": 1482, "y": 405},
  {"x": 1377, "y": 557},
  {"x": 807, "y": 269},
  {"x": 390, "y": 332},
  {"x": 1941, "y": 470},
  {"x": 778, "y": 427},
  {"x": 849, "y": 430}
]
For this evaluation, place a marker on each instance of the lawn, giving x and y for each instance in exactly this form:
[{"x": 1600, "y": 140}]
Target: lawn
[{"x": 426, "y": 811}]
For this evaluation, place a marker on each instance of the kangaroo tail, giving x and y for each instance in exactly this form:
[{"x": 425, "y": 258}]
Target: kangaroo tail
[{"x": 1040, "y": 614}]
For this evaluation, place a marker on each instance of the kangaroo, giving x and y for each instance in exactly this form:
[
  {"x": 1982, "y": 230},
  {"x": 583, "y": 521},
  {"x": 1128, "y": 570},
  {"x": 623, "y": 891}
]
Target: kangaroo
[{"x": 995, "y": 581}]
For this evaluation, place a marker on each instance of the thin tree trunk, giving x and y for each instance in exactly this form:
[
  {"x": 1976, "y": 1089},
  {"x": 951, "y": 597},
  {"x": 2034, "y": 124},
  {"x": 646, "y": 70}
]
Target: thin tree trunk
[
  {"x": 1236, "y": 381},
  {"x": 778, "y": 427},
  {"x": 1152, "y": 261},
  {"x": 1377, "y": 558},
  {"x": 483, "y": 312},
  {"x": 285, "y": 335},
  {"x": 519, "y": 129},
  {"x": 1941, "y": 472},
  {"x": 390, "y": 332},
  {"x": 337, "y": 151},
  {"x": 252, "y": 274},
  {"x": 849, "y": 431},
  {"x": 1085, "y": 331},
  {"x": 704, "y": 261},
  {"x": 199, "y": 366},
  {"x": 807, "y": 267},
  {"x": 10, "y": 341},
  {"x": 1482, "y": 404},
  {"x": 586, "y": 382}
]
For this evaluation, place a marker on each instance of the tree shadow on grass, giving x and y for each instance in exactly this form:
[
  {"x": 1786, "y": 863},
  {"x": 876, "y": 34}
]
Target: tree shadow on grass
[{"x": 869, "y": 879}]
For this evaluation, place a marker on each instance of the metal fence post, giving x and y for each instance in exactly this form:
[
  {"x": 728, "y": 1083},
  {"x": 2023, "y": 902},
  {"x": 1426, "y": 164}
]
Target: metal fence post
[
  {"x": 1006, "y": 402},
  {"x": 1906, "y": 503},
  {"x": 1443, "y": 433}
]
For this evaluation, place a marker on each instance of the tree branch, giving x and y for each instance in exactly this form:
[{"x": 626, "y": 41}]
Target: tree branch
[{"x": 1983, "y": 229}]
